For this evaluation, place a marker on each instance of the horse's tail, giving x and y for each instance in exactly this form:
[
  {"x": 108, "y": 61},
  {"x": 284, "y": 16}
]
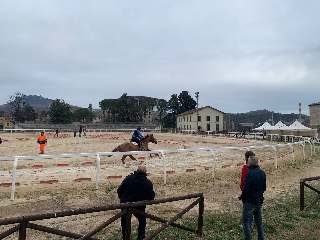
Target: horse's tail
[{"x": 117, "y": 149}]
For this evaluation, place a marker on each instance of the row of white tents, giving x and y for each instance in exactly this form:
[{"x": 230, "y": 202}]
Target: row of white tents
[{"x": 296, "y": 129}]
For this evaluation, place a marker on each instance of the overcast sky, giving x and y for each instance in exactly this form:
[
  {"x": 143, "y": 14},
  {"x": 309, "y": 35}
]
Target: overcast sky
[{"x": 240, "y": 55}]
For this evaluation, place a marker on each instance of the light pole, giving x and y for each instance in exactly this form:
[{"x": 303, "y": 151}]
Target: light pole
[{"x": 197, "y": 96}]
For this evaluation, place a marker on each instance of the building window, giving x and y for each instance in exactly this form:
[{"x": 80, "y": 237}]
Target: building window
[
  {"x": 208, "y": 126},
  {"x": 217, "y": 127},
  {"x": 190, "y": 127},
  {"x": 8, "y": 124},
  {"x": 184, "y": 119},
  {"x": 199, "y": 118},
  {"x": 184, "y": 127},
  {"x": 208, "y": 118},
  {"x": 190, "y": 118},
  {"x": 187, "y": 127},
  {"x": 187, "y": 119},
  {"x": 217, "y": 118},
  {"x": 179, "y": 119}
]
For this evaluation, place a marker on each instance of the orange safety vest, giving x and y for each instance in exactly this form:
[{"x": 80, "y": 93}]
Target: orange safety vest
[{"x": 42, "y": 139}]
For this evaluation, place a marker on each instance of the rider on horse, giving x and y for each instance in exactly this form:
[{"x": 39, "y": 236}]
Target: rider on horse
[{"x": 136, "y": 137}]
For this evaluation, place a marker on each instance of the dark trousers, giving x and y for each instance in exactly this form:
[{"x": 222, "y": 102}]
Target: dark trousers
[
  {"x": 247, "y": 212},
  {"x": 137, "y": 140},
  {"x": 142, "y": 224}
]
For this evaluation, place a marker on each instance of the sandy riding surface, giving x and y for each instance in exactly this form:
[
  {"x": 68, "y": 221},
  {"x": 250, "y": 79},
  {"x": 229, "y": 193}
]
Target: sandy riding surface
[{"x": 221, "y": 193}]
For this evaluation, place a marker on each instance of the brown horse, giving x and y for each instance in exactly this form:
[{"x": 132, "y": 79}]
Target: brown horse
[{"x": 129, "y": 146}]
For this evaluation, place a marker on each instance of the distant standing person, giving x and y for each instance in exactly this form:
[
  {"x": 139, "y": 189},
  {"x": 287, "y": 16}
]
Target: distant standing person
[
  {"x": 57, "y": 133},
  {"x": 252, "y": 198},
  {"x": 136, "y": 187},
  {"x": 75, "y": 133},
  {"x": 80, "y": 131},
  {"x": 85, "y": 132},
  {"x": 245, "y": 170},
  {"x": 42, "y": 140}
]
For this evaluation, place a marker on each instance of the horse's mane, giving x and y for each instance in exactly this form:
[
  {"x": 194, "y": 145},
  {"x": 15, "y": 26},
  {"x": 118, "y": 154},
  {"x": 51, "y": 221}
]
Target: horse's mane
[{"x": 147, "y": 136}]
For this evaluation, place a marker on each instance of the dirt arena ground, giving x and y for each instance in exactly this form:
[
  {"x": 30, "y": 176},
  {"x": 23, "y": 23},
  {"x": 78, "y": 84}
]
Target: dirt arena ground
[{"x": 221, "y": 193}]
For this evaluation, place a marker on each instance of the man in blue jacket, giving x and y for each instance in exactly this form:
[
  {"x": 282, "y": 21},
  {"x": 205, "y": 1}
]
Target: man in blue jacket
[
  {"x": 252, "y": 197},
  {"x": 136, "y": 137},
  {"x": 136, "y": 187}
]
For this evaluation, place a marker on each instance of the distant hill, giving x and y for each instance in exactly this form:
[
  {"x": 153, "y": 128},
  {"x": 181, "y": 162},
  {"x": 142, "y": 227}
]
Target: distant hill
[
  {"x": 260, "y": 116},
  {"x": 39, "y": 104}
]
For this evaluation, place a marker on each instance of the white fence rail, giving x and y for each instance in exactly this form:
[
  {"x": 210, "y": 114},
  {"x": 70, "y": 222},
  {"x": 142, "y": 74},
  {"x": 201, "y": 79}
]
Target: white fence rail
[{"x": 162, "y": 152}]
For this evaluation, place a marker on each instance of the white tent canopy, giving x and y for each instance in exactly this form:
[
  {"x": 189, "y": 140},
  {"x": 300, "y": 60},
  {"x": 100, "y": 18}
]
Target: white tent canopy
[
  {"x": 280, "y": 125},
  {"x": 264, "y": 126},
  {"x": 298, "y": 126}
]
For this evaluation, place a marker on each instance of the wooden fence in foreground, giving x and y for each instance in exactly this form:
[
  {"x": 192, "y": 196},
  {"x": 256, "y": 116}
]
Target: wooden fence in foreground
[
  {"x": 24, "y": 222},
  {"x": 302, "y": 185}
]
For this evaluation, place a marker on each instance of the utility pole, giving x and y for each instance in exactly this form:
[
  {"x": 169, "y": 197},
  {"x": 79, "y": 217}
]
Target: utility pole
[{"x": 197, "y": 96}]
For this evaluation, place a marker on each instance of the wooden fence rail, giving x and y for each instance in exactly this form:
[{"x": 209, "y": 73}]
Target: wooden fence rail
[
  {"x": 127, "y": 208},
  {"x": 302, "y": 185}
]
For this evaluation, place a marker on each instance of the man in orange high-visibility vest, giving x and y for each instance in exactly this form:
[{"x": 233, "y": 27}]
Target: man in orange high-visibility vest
[{"x": 42, "y": 140}]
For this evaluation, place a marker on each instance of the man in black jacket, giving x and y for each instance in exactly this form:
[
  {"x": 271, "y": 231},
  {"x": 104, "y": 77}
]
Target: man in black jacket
[
  {"x": 252, "y": 197},
  {"x": 136, "y": 187}
]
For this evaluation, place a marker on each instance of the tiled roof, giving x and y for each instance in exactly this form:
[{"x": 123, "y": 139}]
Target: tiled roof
[{"x": 194, "y": 110}]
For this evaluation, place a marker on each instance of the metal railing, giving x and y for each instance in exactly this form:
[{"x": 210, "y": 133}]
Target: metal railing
[{"x": 162, "y": 152}]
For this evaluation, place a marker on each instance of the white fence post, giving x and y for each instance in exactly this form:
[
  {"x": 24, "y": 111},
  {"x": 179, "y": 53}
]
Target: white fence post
[
  {"x": 13, "y": 184},
  {"x": 275, "y": 158},
  {"x": 213, "y": 162},
  {"x": 98, "y": 171},
  {"x": 164, "y": 168},
  {"x": 310, "y": 146},
  {"x": 304, "y": 155},
  {"x": 292, "y": 153}
]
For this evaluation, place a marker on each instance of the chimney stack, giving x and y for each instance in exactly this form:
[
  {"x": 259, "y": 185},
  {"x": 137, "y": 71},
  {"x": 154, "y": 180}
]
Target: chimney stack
[{"x": 299, "y": 112}]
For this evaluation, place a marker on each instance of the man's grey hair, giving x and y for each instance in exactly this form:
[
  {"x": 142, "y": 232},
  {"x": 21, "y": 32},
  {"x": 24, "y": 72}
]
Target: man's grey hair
[{"x": 253, "y": 160}]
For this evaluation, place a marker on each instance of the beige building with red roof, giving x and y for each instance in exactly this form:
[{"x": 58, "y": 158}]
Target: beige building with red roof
[
  {"x": 209, "y": 119},
  {"x": 6, "y": 122}
]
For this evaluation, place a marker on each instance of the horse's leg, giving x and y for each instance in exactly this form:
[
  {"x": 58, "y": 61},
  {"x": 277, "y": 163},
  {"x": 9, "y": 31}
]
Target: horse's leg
[
  {"x": 132, "y": 157},
  {"x": 123, "y": 158}
]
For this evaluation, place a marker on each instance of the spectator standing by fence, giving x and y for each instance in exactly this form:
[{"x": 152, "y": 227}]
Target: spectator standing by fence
[
  {"x": 252, "y": 198},
  {"x": 80, "y": 131},
  {"x": 57, "y": 133},
  {"x": 136, "y": 187},
  {"x": 245, "y": 169}
]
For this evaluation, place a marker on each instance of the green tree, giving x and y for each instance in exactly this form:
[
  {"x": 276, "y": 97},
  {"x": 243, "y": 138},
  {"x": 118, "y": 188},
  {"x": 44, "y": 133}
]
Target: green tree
[
  {"x": 29, "y": 113},
  {"x": 108, "y": 106},
  {"x": 82, "y": 115},
  {"x": 174, "y": 106},
  {"x": 186, "y": 102},
  {"x": 123, "y": 109},
  {"x": 127, "y": 109},
  {"x": 16, "y": 102},
  {"x": 148, "y": 103},
  {"x": 43, "y": 116},
  {"x": 162, "y": 107},
  {"x": 59, "y": 112}
]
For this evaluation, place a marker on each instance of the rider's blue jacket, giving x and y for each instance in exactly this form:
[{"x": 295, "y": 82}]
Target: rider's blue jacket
[{"x": 137, "y": 134}]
